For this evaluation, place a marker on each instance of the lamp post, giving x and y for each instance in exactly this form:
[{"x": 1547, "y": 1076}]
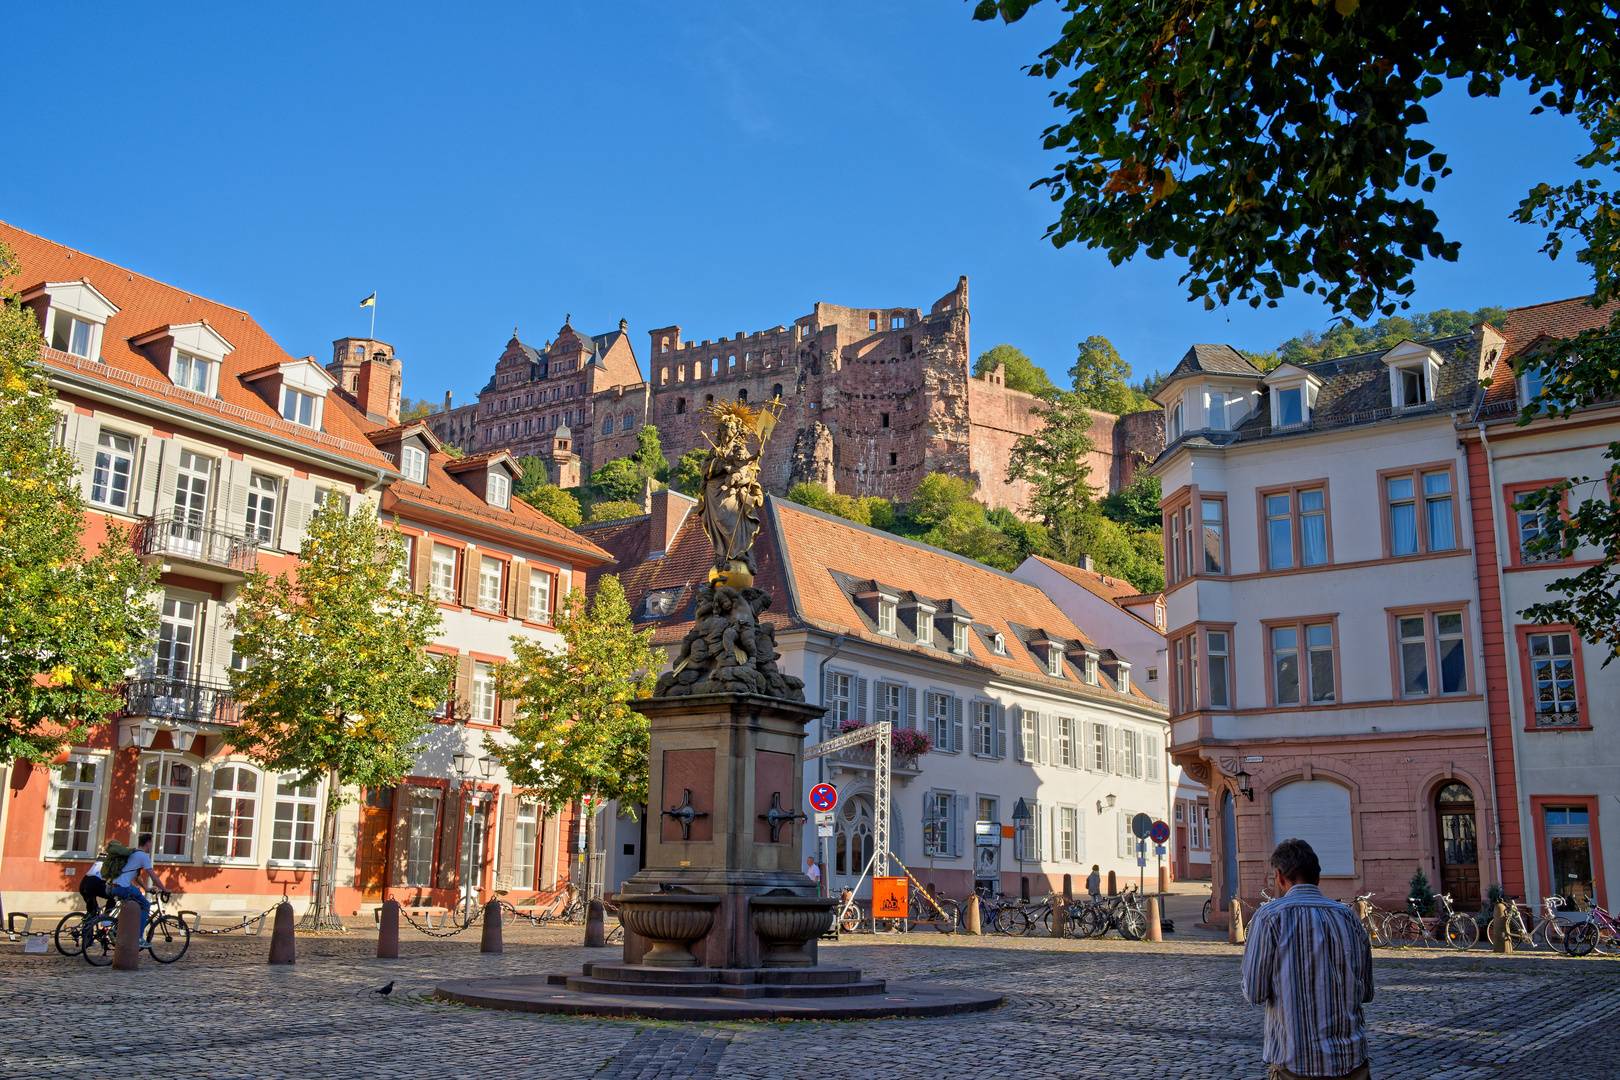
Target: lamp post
[
  {"x": 465, "y": 764},
  {"x": 1021, "y": 819}
]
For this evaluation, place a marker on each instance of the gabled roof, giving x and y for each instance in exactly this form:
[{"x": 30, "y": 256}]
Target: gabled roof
[
  {"x": 144, "y": 304},
  {"x": 1528, "y": 329},
  {"x": 1116, "y": 591},
  {"x": 1211, "y": 360}
]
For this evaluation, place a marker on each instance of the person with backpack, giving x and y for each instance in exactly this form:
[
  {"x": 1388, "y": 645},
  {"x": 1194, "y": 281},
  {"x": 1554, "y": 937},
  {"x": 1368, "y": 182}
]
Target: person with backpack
[
  {"x": 93, "y": 886},
  {"x": 126, "y": 883}
]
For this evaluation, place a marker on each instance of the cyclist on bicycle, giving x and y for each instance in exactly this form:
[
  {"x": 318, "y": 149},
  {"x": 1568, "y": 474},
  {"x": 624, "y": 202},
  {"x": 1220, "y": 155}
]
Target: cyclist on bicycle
[
  {"x": 127, "y": 885},
  {"x": 92, "y": 889}
]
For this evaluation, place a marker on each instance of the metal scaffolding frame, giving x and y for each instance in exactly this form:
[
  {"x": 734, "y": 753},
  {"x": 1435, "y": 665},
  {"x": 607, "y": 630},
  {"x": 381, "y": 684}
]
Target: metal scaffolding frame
[{"x": 881, "y": 734}]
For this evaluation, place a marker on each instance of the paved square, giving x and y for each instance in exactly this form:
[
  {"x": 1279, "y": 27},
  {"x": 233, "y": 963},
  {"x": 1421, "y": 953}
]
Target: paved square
[{"x": 1074, "y": 1009}]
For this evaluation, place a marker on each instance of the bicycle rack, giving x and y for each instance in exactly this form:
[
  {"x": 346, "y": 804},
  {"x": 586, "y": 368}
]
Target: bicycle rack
[{"x": 11, "y": 924}]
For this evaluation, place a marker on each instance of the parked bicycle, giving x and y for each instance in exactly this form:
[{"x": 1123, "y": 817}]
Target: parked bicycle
[
  {"x": 1372, "y": 920},
  {"x": 1600, "y": 931},
  {"x": 1125, "y": 913},
  {"x": 1551, "y": 930},
  {"x": 1002, "y": 915},
  {"x": 928, "y": 908},
  {"x": 1405, "y": 929},
  {"x": 167, "y": 936}
]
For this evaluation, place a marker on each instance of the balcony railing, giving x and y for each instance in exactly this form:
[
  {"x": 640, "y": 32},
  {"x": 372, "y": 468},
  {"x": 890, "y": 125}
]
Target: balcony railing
[
  {"x": 194, "y": 701},
  {"x": 178, "y": 536},
  {"x": 1566, "y": 719}
]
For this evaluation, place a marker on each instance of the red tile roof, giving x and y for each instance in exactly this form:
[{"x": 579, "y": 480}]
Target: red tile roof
[
  {"x": 1526, "y": 326},
  {"x": 144, "y": 304},
  {"x": 1116, "y": 591}
]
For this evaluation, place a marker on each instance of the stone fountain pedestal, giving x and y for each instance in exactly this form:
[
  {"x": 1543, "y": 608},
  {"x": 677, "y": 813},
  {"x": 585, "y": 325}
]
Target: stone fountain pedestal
[{"x": 722, "y": 924}]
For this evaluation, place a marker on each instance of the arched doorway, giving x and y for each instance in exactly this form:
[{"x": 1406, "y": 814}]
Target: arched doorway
[
  {"x": 852, "y": 843},
  {"x": 1459, "y": 844}
]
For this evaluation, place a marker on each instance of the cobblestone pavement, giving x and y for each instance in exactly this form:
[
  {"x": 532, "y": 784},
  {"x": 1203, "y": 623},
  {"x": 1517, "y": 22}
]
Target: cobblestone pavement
[{"x": 1074, "y": 1009}]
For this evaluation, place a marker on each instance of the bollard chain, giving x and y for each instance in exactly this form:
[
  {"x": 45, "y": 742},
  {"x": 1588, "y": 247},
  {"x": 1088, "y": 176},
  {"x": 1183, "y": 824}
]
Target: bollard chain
[
  {"x": 430, "y": 932},
  {"x": 243, "y": 925}
]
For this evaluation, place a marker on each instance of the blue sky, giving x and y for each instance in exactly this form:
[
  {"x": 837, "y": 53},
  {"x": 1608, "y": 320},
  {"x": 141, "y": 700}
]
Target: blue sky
[{"x": 720, "y": 166}]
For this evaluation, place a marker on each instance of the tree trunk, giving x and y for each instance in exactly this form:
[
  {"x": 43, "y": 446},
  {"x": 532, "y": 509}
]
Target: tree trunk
[
  {"x": 590, "y": 848},
  {"x": 322, "y": 913}
]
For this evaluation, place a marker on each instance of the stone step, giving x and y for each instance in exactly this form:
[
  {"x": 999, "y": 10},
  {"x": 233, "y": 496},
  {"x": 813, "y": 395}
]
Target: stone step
[
  {"x": 730, "y": 991},
  {"x": 640, "y": 973},
  {"x": 863, "y": 988},
  {"x": 824, "y": 975}
]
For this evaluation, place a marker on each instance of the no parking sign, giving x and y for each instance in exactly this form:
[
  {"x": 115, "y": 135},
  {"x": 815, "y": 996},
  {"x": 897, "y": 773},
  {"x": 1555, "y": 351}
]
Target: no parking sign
[{"x": 823, "y": 797}]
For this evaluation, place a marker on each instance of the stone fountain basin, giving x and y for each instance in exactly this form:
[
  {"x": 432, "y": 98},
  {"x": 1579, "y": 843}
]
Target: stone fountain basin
[{"x": 670, "y": 922}]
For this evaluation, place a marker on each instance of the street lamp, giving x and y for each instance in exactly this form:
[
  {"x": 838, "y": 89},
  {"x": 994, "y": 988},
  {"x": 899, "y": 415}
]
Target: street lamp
[
  {"x": 1244, "y": 783},
  {"x": 1021, "y": 819},
  {"x": 465, "y": 764}
]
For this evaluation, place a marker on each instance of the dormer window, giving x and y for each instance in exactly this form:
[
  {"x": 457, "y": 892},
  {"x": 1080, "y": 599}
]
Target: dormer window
[
  {"x": 1293, "y": 394},
  {"x": 1054, "y": 660},
  {"x": 885, "y": 618},
  {"x": 414, "y": 461},
  {"x": 998, "y": 645},
  {"x": 297, "y": 406},
  {"x": 959, "y": 639},
  {"x": 1413, "y": 369},
  {"x": 192, "y": 372},
  {"x": 71, "y": 335},
  {"x": 1227, "y": 410},
  {"x": 498, "y": 491},
  {"x": 1091, "y": 668},
  {"x": 1290, "y": 406},
  {"x": 1175, "y": 421},
  {"x": 74, "y": 316},
  {"x": 1413, "y": 387},
  {"x": 1124, "y": 677}
]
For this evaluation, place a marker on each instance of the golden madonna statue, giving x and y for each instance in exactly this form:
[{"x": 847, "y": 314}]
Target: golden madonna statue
[{"x": 731, "y": 497}]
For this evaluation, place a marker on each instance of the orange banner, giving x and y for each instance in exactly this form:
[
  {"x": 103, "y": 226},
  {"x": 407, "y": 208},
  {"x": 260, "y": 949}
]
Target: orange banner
[{"x": 890, "y": 897}]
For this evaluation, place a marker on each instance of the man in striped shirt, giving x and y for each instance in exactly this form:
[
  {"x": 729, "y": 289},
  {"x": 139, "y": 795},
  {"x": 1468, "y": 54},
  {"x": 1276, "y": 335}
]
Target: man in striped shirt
[{"x": 1310, "y": 964}]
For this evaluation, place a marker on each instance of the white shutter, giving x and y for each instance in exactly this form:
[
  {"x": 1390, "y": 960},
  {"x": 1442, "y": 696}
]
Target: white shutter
[
  {"x": 1317, "y": 812},
  {"x": 82, "y": 438},
  {"x": 1020, "y": 717},
  {"x": 1124, "y": 824},
  {"x": 827, "y": 689},
  {"x": 168, "y": 475},
  {"x": 910, "y": 693},
  {"x": 295, "y": 515},
  {"x": 147, "y": 466},
  {"x": 1121, "y": 759},
  {"x": 956, "y": 724},
  {"x": 1151, "y": 756},
  {"x": 1043, "y": 727},
  {"x": 1080, "y": 835},
  {"x": 1001, "y": 731},
  {"x": 897, "y": 831},
  {"x": 956, "y": 824},
  {"x": 860, "y": 700},
  {"x": 232, "y": 505}
]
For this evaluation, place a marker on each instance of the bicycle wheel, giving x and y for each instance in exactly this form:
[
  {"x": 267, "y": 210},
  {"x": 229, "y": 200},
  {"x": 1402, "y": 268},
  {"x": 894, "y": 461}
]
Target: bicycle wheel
[
  {"x": 1552, "y": 932},
  {"x": 849, "y": 919},
  {"x": 1581, "y": 939},
  {"x": 1461, "y": 931},
  {"x": 1132, "y": 924},
  {"x": 99, "y": 939},
  {"x": 1208, "y": 906},
  {"x": 946, "y": 924},
  {"x": 1608, "y": 942},
  {"x": 70, "y": 934},
  {"x": 1090, "y": 923},
  {"x": 171, "y": 937},
  {"x": 1402, "y": 931},
  {"x": 508, "y": 914},
  {"x": 1012, "y": 922}
]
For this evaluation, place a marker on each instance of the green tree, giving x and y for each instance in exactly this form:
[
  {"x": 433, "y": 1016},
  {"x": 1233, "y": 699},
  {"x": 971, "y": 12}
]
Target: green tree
[
  {"x": 1345, "y": 338},
  {"x": 555, "y": 503},
  {"x": 1056, "y": 463},
  {"x": 966, "y": 531},
  {"x": 574, "y": 734},
  {"x": 687, "y": 476},
  {"x": 416, "y": 410},
  {"x": 1271, "y": 145},
  {"x": 1419, "y": 890},
  {"x": 1021, "y": 374},
  {"x": 338, "y": 681},
  {"x": 620, "y": 479},
  {"x": 1026, "y": 537},
  {"x": 1137, "y": 503},
  {"x": 937, "y": 497},
  {"x": 649, "y": 455},
  {"x": 615, "y": 510},
  {"x": 1102, "y": 379},
  {"x": 817, "y": 497},
  {"x": 73, "y": 622}
]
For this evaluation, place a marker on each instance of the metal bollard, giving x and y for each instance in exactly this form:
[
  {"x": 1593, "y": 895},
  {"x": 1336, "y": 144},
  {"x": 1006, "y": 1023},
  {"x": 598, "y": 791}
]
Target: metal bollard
[
  {"x": 1164, "y": 879},
  {"x": 1060, "y": 919},
  {"x": 127, "y": 945},
  {"x": 1499, "y": 928},
  {"x": 974, "y": 918},
  {"x": 282, "y": 948},
  {"x": 595, "y": 928},
  {"x": 1113, "y": 886},
  {"x": 491, "y": 941},
  {"x": 388, "y": 931},
  {"x": 1155, "y": 926}
]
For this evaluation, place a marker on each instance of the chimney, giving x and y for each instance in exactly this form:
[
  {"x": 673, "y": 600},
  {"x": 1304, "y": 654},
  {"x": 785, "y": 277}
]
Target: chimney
[
  {"x": 377, "y": 387},
  {"x": 668, "y": 509},
  {"x": 1085, "y": 562}
]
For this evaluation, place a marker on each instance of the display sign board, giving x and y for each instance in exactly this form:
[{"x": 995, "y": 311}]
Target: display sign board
[
  {"x": 824, "y": 830},
  {"x": 1158, "y": 849},
  {"x": 823, "y": 797},
  {"x": 823, "y": 818},
  {"x": 1160, "y": 832},
  {"x": 890, "y": 897},
  {"x": 1140, "y": 824}
]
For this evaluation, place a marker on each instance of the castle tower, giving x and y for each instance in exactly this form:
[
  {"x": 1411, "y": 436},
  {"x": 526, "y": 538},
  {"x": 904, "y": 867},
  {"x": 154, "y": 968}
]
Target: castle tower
[{"x": 369, "y": 374}]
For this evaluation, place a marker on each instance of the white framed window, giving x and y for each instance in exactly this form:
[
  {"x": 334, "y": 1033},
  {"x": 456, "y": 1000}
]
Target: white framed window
[
  {"x": 890, "y": 704},
  {"x": 1091, "y": 669},
  {"x": 942, "y": 826},
  {"x": 840, "y": 697},
  {"x": 525, "y": 843},
  {"x": 1220, "y": 675},
  {"x": 444, "y": 573},
  {"x": 1097, "y": 757},
  {"x": 1552, "y": 676},
  {"x": 499, "y": 489},
  {"x": 423, "y": 830},
  {"x": 1412, "y": 386},
  {"x": 192, "y": 373},
  {"x": 1029, "y": 735},
  {"x": 959, "y": 638},
  {"x": 925, "y": 627},
  {"x": 114, "y": 468},
  {"x": 1290, "y": 407},
  {"x": 483, "y": 692},
  {"x": 1063, "y": 741},
  {"x": 261, "y": 507},
  {"x": 177, "y": 631},
  {"x": 1067, "y": 834},
  {"x": 233, "y": 807},
  {"x": 292, "y": 830},
  {"x": 987, "y": 727},
  {"x": 941, "y": 711},
  {"x": 1175, "y": 421},
  {"x": 1054, "y": 661},
  {"x": 539, "y": 595},
  {"x": 71, "y": 335},
  {"x": 297, "y": 406},
  {"x": 1027, "y": 839},
  {"x": 74, "y": 801},
  {"x": 1130, "y": 752},
  {"x": 163, "y": 805},
  {"x": 489, "y": 583},
  {"x": 414, "y": 460},
  {"x": 998, "y": 645},
  {"x": 885, "y": 619}
]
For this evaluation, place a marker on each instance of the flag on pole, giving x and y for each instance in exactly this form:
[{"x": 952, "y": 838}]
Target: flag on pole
[{"x": 370, "y": 301}]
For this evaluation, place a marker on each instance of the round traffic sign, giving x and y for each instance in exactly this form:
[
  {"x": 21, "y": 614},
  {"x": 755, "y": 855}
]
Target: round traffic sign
[
  {"x": 823, "y": 797},
  {"x": 1140, "y": 824},
  {"x": 1160, "y": 832}
]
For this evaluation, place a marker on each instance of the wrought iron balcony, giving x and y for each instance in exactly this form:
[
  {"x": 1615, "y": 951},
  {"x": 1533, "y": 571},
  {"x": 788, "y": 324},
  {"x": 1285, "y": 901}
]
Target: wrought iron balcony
[
  {"x": 192, "y": 701},
  {"x": 178, "y": 536}
]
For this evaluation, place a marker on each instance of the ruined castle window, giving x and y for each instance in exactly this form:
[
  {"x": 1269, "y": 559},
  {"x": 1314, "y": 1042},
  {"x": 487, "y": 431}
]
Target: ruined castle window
[
  {"x": 776, "y": 391},
  {"x": 885, "y": 419},
  {"x": 742, "y": 394},
  {"x": 663, "y": 345},
  {"x": 571, "y": 390},
  {"x": 556, "y": 392},
  {"x": 747, "y": 356},
  {"x": 680, "y": 406},
  {"x": 897, "y": 322},
  {"x": 628, "y": 422},
  {"x": 607, "y": 425},
  {"x": 663, "y": 376},
  {"x": 731, "y": 362},
  {"x": 714, "y": 366},
  {"x": 354, "y": 383},
  {"x": 359, "y": 352},
  {"x": 871, "y": 321},
  {"x": 894, "y": 459}
]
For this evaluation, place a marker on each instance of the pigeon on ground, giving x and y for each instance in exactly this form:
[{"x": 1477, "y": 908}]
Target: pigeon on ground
[{"x": 385, "y": 990}]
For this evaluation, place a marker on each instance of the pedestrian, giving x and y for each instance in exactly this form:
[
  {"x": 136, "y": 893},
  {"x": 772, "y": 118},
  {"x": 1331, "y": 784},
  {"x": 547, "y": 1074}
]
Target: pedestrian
[
  {"x": 1309, "y": 962},
  {"x": 126, "y": 886},
  {"x": 813, "y": 872},
  {"x": 1094, "y": 882},
  {"x": 92, "y": 888}
]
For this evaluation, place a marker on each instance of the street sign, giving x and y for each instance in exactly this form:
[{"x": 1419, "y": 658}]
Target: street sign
[
  {"x": 1140, "y": 861},
  {"x": 1140, "y": 824},
  {"x": 824, "y": 830},
  {"x": 824, "y": 818},
  {"x": 824, "y": 797},
  {"x": 1158, "y": 850},
  {"x": 1160, "y": 832}
]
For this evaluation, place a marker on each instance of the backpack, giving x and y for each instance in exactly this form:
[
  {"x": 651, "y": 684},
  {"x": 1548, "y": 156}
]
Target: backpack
[{"x": 113, "y": 858}]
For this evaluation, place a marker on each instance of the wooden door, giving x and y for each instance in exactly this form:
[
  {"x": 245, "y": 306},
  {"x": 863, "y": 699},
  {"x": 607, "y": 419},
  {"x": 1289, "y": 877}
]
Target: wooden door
[
  {"x": 1459, "y": 846},
  {"x": 371, "y": 866},
  {"x": 1183, "y": 869}
]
